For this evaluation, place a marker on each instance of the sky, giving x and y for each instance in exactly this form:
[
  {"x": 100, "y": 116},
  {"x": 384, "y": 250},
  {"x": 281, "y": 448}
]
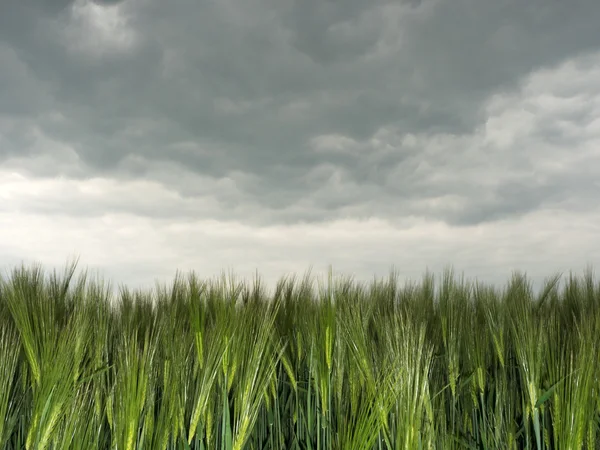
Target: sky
[{"x": 275, "y": 136}]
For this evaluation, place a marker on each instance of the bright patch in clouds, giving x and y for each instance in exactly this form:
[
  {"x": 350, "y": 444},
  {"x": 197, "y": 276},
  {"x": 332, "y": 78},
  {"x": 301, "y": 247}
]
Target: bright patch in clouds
[
  {"x": 138, "y": 248},
  {"x": 95, "y": 29}
]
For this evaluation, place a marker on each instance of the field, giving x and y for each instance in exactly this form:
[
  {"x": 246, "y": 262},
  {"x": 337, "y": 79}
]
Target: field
[{"x": 220, "y": 364}]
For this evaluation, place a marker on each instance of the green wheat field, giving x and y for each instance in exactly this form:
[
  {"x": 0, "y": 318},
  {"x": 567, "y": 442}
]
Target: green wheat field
[{"x": 221, "y": 364}]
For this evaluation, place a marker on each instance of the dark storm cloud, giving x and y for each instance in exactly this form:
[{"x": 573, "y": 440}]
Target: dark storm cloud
[
  {"x": 250, "y": 84},
  {"x": 323, "y": 29}
]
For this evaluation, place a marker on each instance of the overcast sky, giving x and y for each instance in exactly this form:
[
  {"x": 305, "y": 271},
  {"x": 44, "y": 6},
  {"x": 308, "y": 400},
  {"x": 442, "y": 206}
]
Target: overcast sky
[{"x": 149, "y": 136}]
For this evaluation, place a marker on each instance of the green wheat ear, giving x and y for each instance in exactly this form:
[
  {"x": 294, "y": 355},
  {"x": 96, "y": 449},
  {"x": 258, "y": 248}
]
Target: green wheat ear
[{"x": 9, "y": 362}]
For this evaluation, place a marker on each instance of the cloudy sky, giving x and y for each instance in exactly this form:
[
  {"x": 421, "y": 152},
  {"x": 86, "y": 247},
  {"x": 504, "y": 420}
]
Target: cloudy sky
[{"x": 149, "y": 136}]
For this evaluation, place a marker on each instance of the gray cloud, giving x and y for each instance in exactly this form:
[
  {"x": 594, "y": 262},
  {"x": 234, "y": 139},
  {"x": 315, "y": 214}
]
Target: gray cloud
[{"x": 466, "y": 112}]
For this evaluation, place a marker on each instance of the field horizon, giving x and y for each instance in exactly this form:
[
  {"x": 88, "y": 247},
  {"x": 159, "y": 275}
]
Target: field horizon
[{"x": 442, "y": 363}]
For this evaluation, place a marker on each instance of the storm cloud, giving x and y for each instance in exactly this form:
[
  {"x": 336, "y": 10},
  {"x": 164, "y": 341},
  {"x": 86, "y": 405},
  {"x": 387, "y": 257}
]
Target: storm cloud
[{"x": 355, "y": 133}]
